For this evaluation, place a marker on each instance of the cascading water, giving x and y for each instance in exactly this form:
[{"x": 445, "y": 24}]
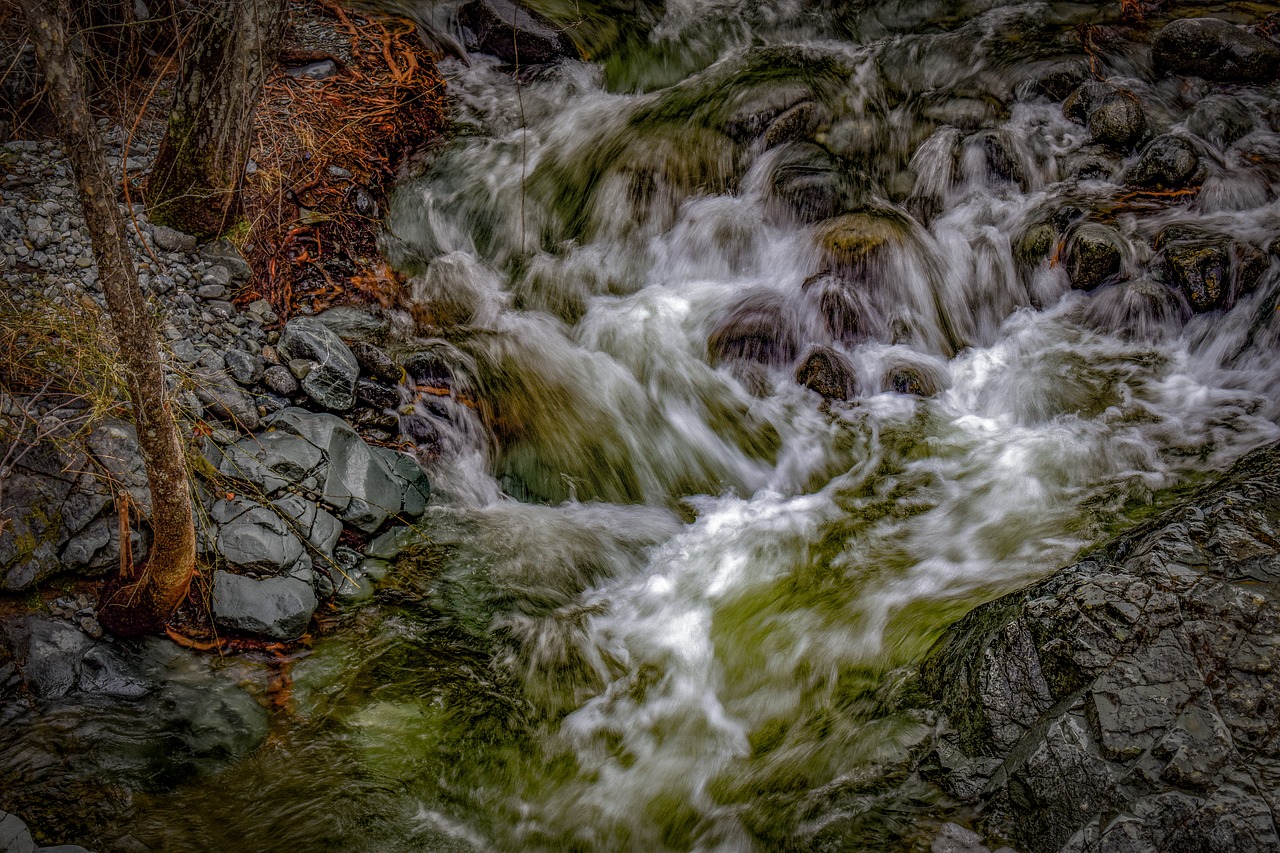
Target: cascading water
[{"x": 763, "y": 364}]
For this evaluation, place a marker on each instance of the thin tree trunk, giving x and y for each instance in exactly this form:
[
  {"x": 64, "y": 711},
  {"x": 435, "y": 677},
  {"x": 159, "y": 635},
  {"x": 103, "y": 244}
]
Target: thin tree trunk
[
  {"x": 141, "y": 599},
  {"x": 198, "y": 174}
]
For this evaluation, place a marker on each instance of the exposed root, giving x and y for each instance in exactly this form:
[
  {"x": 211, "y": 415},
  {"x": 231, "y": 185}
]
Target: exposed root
[{"x": 312, "y": 229}]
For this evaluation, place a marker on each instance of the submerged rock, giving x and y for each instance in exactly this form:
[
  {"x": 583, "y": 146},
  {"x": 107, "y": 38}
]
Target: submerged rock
[
  {"x": 1124, "y": 703},
  {"x": 1215, "y": 50}
]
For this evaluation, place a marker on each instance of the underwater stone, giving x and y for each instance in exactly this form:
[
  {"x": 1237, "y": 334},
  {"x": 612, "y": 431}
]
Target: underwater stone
[
  {"x": 514, "y": 33},
  {"x": 1221, "y": 120}
]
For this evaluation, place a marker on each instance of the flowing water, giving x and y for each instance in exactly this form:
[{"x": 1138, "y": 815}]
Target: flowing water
[{"x": 666, "y": 594}]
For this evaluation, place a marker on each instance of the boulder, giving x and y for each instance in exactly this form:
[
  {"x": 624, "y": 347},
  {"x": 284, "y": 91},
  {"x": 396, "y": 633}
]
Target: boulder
[
  {"x": 14, "y": 835},
  {"x": 1167, "y": 163},
  {"x": 1124, "y": 703},
  {"x": 353, "y": 324},
  {"x": 1215, "y": 50},
  {"x": 278, "y": 608},
  {"x": 48, "y": 652},
  {"x": 331, "y": 380},
  {"x": 514, "y": 33},
  {"x": 254, "y": 537},
  {"x": 319, "y": 528},
  {"x": 374, "y": 361},
  {"x": 1118, "y": 122},
  {"x": 829, "y": 373},
  {"x": 1093, "y": 256},
  {"x": 171, "y": 240}
]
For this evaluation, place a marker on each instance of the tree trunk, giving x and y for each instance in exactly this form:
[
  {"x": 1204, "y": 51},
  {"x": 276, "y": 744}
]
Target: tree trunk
[
  {"x": 141, "y": 599},
  {"x": 199, "y": 171}
]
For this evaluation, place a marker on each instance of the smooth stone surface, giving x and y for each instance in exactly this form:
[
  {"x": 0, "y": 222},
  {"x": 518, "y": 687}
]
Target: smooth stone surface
[
  {"x": 224, "y": 399},
  {"x": 14, "y": 835},
  {"x": 331, "y": 381},
  {"x": 279, "y": 608},
  {"x": 256, "y": 538}
]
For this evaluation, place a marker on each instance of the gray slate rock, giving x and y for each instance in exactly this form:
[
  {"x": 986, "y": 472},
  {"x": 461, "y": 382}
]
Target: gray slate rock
[
  {"x": 331, "y": 381},
  {"x": 374, "y": 361},
  {"x": 1215, "y": 50},
  {"x": 278, "y": 608},
  {"x": 223, "y": 253},
  {"x": 224, "y": 399},
  {"x": 356, "y": 324},
  {"x": 14, "y": 835},
  {"x": 245, "y": 368},
  {"x": 255, "y": 537},
  {"x": 1123, "y": 704},
  {"x": 48, "y": 653}
]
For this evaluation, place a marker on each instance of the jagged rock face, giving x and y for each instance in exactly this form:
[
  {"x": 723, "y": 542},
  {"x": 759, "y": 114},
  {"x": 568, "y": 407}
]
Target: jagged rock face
[{"x": 1127, "y": 703}]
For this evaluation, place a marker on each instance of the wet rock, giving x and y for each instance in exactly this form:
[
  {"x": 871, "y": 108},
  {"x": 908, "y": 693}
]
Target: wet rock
[
  {"x": 1167, "y": 163},
  {"x": 829, "y": 373},
  {"x": 48, "y": 653},
  {"x": 810, "y": 183},
  {"x": 331, "y": 381},
  {"x": 1120, "y": 699},
  {"x": 1091, "y": 163},
  {"x": 120, "y": 670},
  {"x": 114, "y": 446},
  {"x": 756, "y": 330},
  {"x": 797, "y": 123},
  {"x": 376, "y": 394},
  {"x": 1093, "y": 256},
  {"x": 1058, "y": 81},
  {"x": 1090, "y": 95},
  {"x": 1215, "y": 50},
  {"x": 278, "y": 608},
  {"x": 916, "y": 380},
  {"x": 429, "y": 367},
  {"x": 837, "y": 305},
  {"x": 1221, "y": 120},
  {"x": 245, "y": 368},
  {"x": 224, "y": 399},
  {"x": 1118, "y": 122},
  {"x": 374, "y": 361},
  {"x": 513, "y": 33},
  {"x": 1202, "y": 271},
  {"x": 855, "y": 240},
  {"x": 171, "y": 240},
  {"x": 1036, "y": 244}
]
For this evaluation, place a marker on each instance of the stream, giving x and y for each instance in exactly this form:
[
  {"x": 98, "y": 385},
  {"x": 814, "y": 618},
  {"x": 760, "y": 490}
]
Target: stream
[{"x": 747, "y": 359}]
